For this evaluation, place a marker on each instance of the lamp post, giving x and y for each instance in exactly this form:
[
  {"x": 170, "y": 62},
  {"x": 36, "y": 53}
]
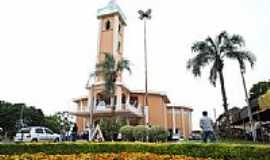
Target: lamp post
[
  {"x": 248, "y": 105},
  {"x": 145, "y": 16}
]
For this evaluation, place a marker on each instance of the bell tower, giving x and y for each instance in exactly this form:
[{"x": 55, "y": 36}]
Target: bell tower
[{"x": 112, "y": 22}]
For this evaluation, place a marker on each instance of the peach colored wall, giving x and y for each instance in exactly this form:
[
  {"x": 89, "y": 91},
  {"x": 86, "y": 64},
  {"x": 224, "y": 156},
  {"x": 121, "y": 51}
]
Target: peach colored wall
[
  {"x": 79, "y": 120},
  {"x": 182, "y": 121},
  {"x": 106, "y": 36},
  {"x": 157, "y": 109},
  {"x": 81, "y": 107},
  {"x": 106, "y": 39}
]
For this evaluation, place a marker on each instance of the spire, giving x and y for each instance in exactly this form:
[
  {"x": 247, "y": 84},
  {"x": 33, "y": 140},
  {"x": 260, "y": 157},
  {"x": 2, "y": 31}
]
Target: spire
[
  {"x": 112, "y": 2},
  {"x": 112, "y": 8}
]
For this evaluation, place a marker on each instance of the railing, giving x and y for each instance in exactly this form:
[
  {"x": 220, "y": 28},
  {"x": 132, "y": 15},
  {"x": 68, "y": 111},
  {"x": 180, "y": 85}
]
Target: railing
[
  {"x": 132, "y": 108},
  {"x": 102, "y": 108},
  {"x": 124, "y": 107}
]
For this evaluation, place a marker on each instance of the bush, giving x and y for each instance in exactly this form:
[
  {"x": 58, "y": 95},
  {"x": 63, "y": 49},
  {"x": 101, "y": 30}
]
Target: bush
[
  {"x": 140, "y": 132},
  {"x": 127, "y": 132},
  {"x": 157, "y": 134},
  {"x": 214, "y": 151},
  {"x": 110, "y": 127}
]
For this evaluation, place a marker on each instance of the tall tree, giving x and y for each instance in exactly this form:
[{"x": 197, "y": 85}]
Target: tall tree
[
  {"x": 109, "y": 69},
  {"x": 215, "y": 51},
  {"x": 58, "y": 123},
  {"x": 259, "y": 89},
  {"x": 11, "y": 114}
]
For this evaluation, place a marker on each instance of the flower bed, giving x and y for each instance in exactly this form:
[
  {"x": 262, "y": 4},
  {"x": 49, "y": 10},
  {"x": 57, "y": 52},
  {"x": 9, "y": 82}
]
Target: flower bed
[
  {"x": 215, "y": 151},
  {"x": 104, "y": 156}
]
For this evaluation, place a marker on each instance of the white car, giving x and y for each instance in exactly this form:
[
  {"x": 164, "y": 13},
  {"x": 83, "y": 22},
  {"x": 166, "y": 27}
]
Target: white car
[{"x": 36, "y": 134}]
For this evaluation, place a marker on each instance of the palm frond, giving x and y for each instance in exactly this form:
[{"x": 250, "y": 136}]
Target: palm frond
[
  {"x": 206, "y": 53},
  {"x": 242, "y": 56},
  {"x": 196, "y": 69},
  {"x": 198, "y": 62},
  {"x": 237, "y": 40},
  {"x": 123, "y": 65},
  {"x": 199, "y": 46},
  {"x": 221, "y": 38},
  {"x": 211, "y": 44}
]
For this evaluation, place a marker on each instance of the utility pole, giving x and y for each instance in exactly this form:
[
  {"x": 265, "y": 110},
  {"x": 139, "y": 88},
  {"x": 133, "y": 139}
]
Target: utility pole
[{"x": 145, "y": 16}]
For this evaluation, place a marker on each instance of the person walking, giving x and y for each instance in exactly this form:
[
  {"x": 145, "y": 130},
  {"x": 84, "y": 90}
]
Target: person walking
[{"x": 206, "y": 125}]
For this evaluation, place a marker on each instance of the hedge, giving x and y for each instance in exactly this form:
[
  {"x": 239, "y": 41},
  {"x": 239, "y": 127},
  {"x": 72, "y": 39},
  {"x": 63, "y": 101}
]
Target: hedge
[
  {"x": 216, "y": 151},
  {"x": 141, "y": 132},
  {"x": 127, "y": 132}
]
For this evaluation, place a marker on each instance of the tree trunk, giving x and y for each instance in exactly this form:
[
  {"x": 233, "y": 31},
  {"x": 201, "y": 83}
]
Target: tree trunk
[
  {"x": 227, "y": 127},
  {"x": 223, "y": 91}
]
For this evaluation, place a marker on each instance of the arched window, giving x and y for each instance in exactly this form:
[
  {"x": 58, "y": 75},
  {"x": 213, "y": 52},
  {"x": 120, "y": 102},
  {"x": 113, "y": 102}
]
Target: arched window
[{"x": 107, "y": 25}]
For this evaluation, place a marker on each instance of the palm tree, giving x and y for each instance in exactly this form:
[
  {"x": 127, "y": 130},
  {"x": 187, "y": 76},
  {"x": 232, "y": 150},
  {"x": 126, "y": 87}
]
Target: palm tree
[
  {"x": 215, "y": 51},
  {"x": 109, "y": 69},
  {"x": 241, "y": 55}
]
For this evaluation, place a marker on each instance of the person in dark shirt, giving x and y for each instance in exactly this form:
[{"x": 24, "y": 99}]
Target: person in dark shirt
[{"x": 74, "y": 132}]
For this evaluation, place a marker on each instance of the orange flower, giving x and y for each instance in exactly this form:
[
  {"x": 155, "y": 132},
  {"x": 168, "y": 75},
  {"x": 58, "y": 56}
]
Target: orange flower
[{"x": 98, "y": 156}]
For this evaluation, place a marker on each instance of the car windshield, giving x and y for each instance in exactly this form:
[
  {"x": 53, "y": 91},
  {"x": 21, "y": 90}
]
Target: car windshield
[
  {"x": 48, "y": 131},
  {"x": 24, "y": 130}
]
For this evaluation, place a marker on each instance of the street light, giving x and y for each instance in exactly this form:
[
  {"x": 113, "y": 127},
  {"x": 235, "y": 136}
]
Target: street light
[
  {"x": 248, "y": 105},
  {"x": 145, "y": 16}
]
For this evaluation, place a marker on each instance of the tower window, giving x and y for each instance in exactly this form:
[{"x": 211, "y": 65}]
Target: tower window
[{"x": 108, "y": 25}]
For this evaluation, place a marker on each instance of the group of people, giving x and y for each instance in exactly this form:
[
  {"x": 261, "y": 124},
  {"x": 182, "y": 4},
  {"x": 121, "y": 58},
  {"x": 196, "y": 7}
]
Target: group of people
[
  {"x": 206, "y": 124},
  {"x": 73, "y": 136}
]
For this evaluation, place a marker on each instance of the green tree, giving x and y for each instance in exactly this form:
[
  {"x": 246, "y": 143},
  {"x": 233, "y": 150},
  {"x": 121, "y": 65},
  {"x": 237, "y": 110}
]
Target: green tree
[
  {"x": 110, "y": 127},
  {"x": 109, "y": 69},
  {"x": 53, "y": 122},
  {"x": 259, "y": 89},
  {"x": 11, "y": 113},
  {"x": 214, "y": 51},
  {"x": 58, "y": 123}
]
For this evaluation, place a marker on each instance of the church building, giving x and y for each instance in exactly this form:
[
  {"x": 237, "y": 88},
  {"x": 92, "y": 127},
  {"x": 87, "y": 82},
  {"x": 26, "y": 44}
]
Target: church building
[{"x": 127, "y": 103}]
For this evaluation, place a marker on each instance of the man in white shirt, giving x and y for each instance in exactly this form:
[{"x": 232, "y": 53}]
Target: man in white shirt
[{"x": 206, "y": 125}]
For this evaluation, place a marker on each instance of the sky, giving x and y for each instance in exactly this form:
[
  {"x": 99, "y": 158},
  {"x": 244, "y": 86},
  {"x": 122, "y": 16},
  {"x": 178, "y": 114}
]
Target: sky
[{"x": 48, "y": 49}]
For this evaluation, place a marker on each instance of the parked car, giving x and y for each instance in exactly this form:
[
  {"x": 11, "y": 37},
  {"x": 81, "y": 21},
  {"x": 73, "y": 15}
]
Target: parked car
[
  {"x": 196, "y": 135},
  {"x": 36, "y": 134}
]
